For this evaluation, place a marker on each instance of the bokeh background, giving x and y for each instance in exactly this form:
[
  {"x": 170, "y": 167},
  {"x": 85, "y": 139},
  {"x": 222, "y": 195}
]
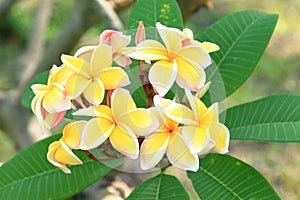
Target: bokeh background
[{"x": 25, "y": 47}]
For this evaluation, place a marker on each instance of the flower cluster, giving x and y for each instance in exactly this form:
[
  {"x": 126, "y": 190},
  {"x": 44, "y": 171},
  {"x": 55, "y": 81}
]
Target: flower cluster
[{"x": 89, "y": 83}]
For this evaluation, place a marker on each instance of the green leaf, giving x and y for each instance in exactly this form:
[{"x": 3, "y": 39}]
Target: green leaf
[
  {"x": 151, "y": 11},
  {"x": 28, "y": 95},
  {"x": 159, "y": 187},
  {"x": 242, "y": 37},
  {"x": 274, "y": 118},
  {"x": 224, "y": 177},
  {"x": 29, "y": 175}
]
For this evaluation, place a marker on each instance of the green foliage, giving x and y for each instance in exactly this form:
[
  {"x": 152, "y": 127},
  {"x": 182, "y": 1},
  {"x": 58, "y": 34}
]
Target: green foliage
[
  {"x": 28, "y": 95},
  {"x": 29, "y": 175},
  {"x": 166, "y": 12},
  {"x": 159, "y": 187},
  {"x": 225, "y": 177},
  {"x": 242, "y": 37},
  {"x": 274, "y": 118}
]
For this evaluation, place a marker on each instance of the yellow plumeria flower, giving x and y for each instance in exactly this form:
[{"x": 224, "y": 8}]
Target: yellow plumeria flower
[
  {"x": 60, "y": 152},
  {"x": 175, "y": 61},
  {"x": 121, "y": 123},
  {"x": 209, "y": 133},
  {"x": 118, "y": 41},
  {"x": 94, "y": 77},
  {"x": 49, "y": 104},
  {"x": 168, "y": 138}
]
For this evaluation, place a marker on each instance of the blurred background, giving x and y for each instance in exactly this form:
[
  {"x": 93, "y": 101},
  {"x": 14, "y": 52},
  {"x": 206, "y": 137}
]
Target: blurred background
[{"x": 33, "y": 34}]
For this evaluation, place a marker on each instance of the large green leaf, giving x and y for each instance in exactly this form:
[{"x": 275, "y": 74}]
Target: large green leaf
[
  {"x": 274, "y": 118},
  {"x": 151, "y": 11},
  {"x": 29, "y": 175},
  {"x": 242, "y": 37},
  {"x": 28, "y": 95},
  {"x": 159, "y": 187},
  {"x": 224, "y": 177}
]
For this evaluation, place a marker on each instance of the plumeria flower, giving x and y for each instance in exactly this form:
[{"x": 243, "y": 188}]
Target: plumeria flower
[
  {"x": 121, "y": 123},
  {"x": 49, "y": 104},
  {"x": 187, "y": 38},
  {"x": 209, "y": 133},
  {"x": 94, "y": 77},
  {"x": 174, "y": 61},
  {"x": 119, "y": 42},
  {"x": 60, "y": 152},
  {"x": 168, "y": 138}
]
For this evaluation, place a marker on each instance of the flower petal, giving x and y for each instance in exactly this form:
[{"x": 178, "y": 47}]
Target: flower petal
[
  {"x": 114, "y": 77},
  {"x": 124, "y": 141},
  {"x": 75, "y": 86},
  {"x": 210, "y": 47},
  {"x": 162, "y": 75},
  {"x": 149, "y": 50},
  {"x": 161, "y": 102},
  {"x": 53, "y": 119},
  {"x": 180, "y": 156},
  {"x": 94, "y": 93},
  {"x": 38, "y": 88},
  {"x": 54, "y": 101},
  {"x": 180, "y": 114},
  {"x": 60, "y": 155},
  {"x": 76, "y": 64},
  {"x": 198, "y": 107},
  {"x": 102, "y": 111},
  {"x": 196, "y": 55},
  {"x": 72, "y": 134},
  {"x": 212, "y": 115},
  {"x": 170, "y": 37},
  {"x": 122, "y": 59},
  {"x": 195, "y": 138},
  {"x": 121, "y": 102},
  {"x": 140, "y": 121},
  {"x": 84, "y": 52},
  {"x": 220, "y": 134},
  {"x": 51, "y": 157},
  {"x": 95, "y": 132},
  {"x": 101, "y": 59},
  {"x": 153, "y": 149},
  {"x": 189, "y": 76}
]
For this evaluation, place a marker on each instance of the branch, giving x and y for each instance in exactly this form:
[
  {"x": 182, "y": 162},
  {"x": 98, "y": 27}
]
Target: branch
[
  {"x": 108, "y": 13},
  {"x": 36, "y": 45}
]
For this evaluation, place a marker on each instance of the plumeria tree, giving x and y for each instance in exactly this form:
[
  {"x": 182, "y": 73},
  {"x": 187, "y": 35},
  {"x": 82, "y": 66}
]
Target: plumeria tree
[{"x": 152, "y": 96}]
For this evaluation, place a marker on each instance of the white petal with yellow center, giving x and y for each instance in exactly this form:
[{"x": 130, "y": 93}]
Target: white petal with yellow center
[
  {"x": 95, "y": 132},
  {"x": 220, "y": 134},
  {"x": 162, "y": 75},
  {"x": 121, "y": 102},
  {"x": 94, "y": 93},
  {"x": 196, "y": 55},
  {"x": 101, "y": 59},
  {"x": 180, "y": 156},
  {"x": 153, "y": 149},
  {"x": 196, "y": 138},
  {"x": 124, "y": 141},
  {"x": 169, "y": 37},
  {"x": 114, "y": 77},
  {"x": 75, "y": 86},
  {"x": 149, "y": 50}
]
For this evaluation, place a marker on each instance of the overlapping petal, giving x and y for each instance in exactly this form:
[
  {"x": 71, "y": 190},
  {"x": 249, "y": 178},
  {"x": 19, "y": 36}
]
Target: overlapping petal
[
  {"x": 60, "y": 155},
  {"x": 114, "y": 77},
  {"x": 153, "y": 149},
  {"x": 124, "y": 141},
  {"x": 121, "y": 102},
  {"x": 95, "y": 132},
  {"x": 180, "y": 156},
  {"x": 72, "y": 134},
  {"x": 76, "y": 86},
  {"x": 94, "y": 92},
  {"x": 189, "y": 76},
  {"x": 162, "y": 75},
  {"x": 196, "y": 138},
  {"x": 101, "y": 59},
  {"x": 220, "y": 134},
  {"x": 169, "y": 37}
]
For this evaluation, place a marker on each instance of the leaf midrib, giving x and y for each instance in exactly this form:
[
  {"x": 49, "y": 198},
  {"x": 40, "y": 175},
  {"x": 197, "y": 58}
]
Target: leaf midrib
[
  {"x": 221, "y": 182},
  {"x": 263, "y": 124},
  {"x": 232, "y": 46},
  {"x": 38, "y": 175}
]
